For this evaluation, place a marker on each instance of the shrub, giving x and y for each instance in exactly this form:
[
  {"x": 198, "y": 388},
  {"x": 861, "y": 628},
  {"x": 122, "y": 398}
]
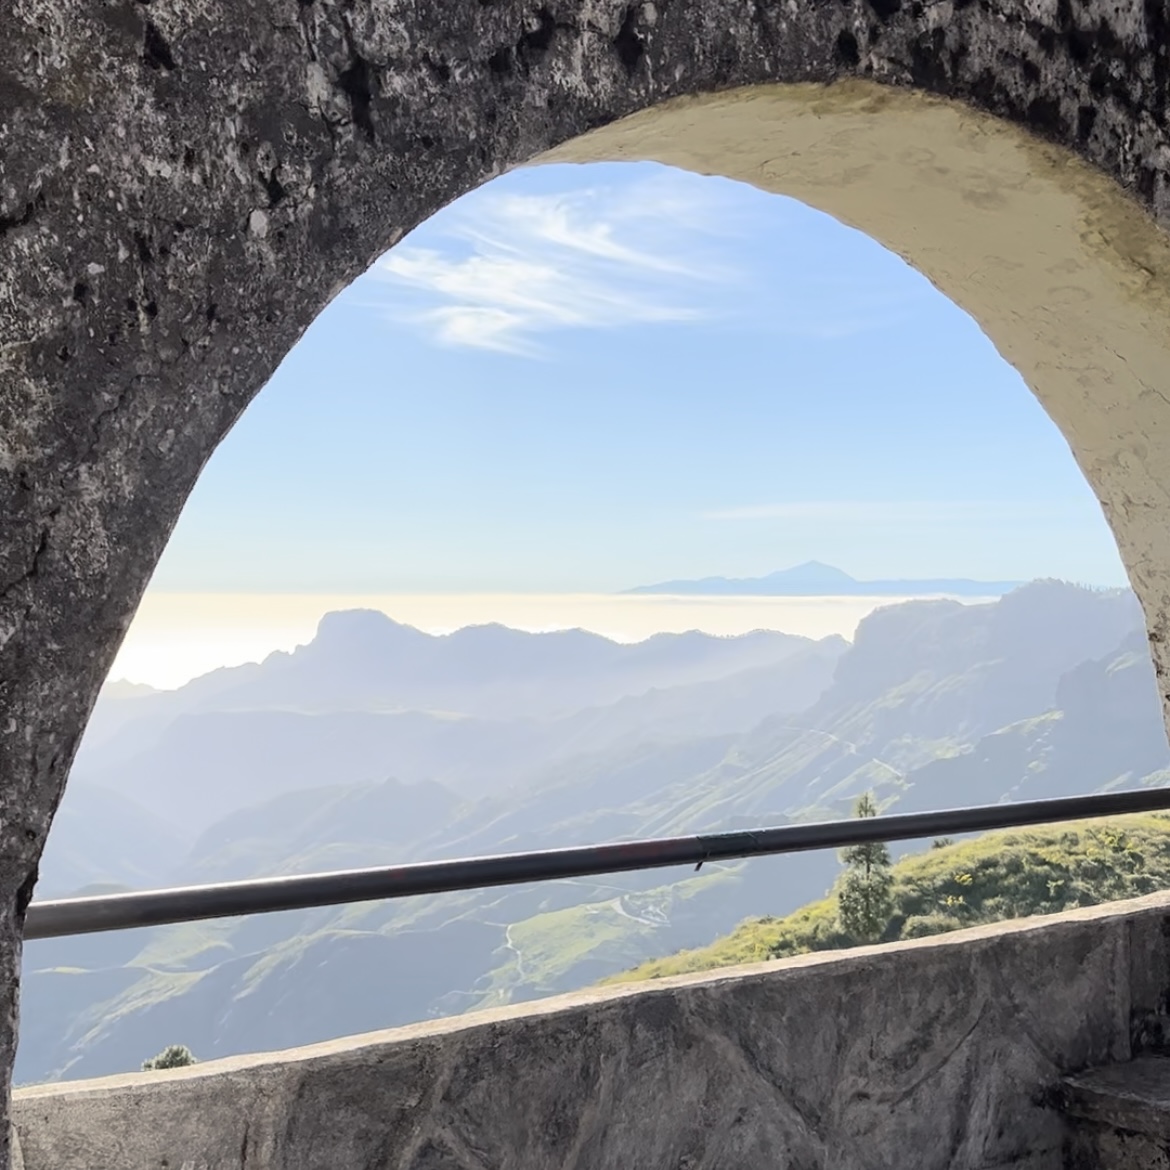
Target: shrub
[{"x": 173, "y": 1056}]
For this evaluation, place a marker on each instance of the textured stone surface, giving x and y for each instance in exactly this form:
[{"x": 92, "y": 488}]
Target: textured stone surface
[
  {"x": 1122, "y": 1116},
  {"x": 1100, "y": 1147},
  {"x": 1133, "y": 1096},
  {"x": 939, "y": 1054},
  {"x": 184, "y": 184}
]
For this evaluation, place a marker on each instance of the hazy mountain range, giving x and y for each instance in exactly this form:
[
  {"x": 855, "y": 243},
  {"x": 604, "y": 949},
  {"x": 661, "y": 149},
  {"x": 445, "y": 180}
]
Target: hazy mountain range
[
  {"x": 377, "y": 744},
  {"x": 814, "y": 579},
  {"x": 474, "y": 710}
]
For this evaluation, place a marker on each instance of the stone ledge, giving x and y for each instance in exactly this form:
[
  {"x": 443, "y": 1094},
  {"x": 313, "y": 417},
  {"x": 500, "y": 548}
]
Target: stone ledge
[
  {"x": 878, "y": 954},
  {"x": 1134, "y": 1096},
  {"x": 842, "y": 1060}
]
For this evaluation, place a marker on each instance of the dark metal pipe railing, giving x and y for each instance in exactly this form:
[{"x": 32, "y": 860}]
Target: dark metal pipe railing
[{"x": 228, "y": 899}]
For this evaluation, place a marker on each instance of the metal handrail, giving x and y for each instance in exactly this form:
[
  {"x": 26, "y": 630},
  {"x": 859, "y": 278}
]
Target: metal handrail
[{"x": 69, "y": 916}]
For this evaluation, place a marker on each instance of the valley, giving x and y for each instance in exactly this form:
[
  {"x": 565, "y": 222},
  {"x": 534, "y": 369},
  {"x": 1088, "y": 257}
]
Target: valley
[{"x": 377, "y": 744}]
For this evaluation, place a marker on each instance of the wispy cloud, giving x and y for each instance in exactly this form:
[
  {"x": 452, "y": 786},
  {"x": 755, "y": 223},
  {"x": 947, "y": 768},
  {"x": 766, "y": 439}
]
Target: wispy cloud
[
  {"x": 505, "y": 268},
  {"x": 539, "y": 251},
  {"x": 898, "y": 511}
]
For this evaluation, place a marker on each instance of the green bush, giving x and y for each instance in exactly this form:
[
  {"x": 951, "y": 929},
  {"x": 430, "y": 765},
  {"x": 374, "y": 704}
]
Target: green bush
[
  {"x": 1010, "y": 874},
  {"x": 173, "y": 1056}
]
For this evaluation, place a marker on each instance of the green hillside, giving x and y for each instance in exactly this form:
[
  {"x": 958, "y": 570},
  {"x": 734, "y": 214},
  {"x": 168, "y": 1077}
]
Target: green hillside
[
  {"x": 1011, "y": 874},
  {"x": 1049, "y": 691}
]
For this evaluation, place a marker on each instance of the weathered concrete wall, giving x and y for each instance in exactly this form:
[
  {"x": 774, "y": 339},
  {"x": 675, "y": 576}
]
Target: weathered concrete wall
[
  {"x": 184, "y": 184},
  {"x": 937, "y": 1054}
]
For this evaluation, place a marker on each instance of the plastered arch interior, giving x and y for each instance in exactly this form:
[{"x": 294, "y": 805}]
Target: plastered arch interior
[{"x": 1064, "y": 272}]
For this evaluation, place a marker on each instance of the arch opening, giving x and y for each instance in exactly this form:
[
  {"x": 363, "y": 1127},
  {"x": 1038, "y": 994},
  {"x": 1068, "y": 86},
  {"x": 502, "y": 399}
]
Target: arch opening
[
  {"x": 636, "y": 904},
  {"x": 181, "y": 189}
]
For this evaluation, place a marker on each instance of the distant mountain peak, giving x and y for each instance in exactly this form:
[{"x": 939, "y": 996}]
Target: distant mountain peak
[
  {"x": 120, "y": 688},
  {"x": 816, "y": 579},
  {"x": 811, "y": 571},
  {"x": 348, "y": 623}
]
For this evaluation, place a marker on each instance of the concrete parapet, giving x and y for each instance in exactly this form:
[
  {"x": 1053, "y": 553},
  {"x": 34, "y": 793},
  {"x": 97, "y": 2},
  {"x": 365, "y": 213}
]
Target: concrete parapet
[{"x": 939, "y": 1054}]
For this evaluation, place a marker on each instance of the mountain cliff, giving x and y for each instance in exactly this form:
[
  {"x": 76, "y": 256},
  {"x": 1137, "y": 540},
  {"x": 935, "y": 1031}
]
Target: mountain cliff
[{"x": 1047, "y": 691}]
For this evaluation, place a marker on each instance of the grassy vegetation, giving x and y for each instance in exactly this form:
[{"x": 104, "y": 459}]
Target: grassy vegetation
[
  {"x": 1011, "y": 874},
  {"x": 563, "y": 949}
]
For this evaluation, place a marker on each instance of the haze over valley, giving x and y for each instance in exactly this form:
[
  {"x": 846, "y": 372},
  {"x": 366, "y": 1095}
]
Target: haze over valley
[
  {"x": 176, "y": 637},
  {"x": 377, "y": 743}
]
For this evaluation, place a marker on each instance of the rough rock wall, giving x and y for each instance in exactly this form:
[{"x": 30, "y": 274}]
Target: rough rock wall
[
  {"x": 936, "y": 1055},
  {"x": 184, "y": 184}
]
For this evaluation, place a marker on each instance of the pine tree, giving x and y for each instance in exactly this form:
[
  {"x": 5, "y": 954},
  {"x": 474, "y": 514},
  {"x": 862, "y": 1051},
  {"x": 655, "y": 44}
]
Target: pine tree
[{"x": 864, "y": 892}]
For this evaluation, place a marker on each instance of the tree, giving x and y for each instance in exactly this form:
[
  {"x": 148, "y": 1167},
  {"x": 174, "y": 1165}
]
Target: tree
[
  {"x": 864, "y": 893},
  {"x": 173, "y": 1056}
]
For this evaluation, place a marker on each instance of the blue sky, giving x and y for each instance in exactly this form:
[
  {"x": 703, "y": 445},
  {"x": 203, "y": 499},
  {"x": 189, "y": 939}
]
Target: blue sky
[{"x": 587, "y": 378}]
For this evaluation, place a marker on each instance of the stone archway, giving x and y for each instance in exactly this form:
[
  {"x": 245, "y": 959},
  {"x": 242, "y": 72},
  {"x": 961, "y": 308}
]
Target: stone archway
[{"x": 184, "y": 184}]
